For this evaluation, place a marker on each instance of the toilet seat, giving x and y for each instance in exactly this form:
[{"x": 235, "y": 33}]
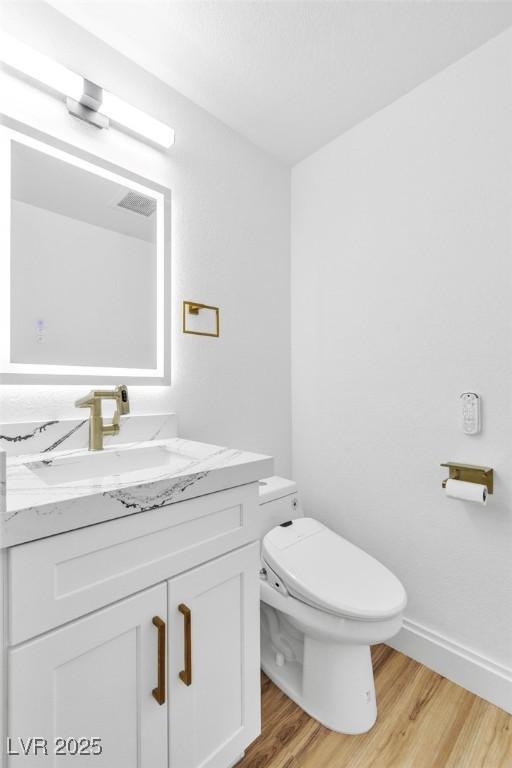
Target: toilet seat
[{"x": 325, "y": 571}]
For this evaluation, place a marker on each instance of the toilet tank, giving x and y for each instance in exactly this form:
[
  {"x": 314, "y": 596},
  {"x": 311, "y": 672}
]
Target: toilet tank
[{"x": 279, "y": 502}]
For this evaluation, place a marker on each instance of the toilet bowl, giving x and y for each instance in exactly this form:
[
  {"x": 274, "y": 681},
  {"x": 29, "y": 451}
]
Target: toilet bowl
[{"x": 324, "y": 602}]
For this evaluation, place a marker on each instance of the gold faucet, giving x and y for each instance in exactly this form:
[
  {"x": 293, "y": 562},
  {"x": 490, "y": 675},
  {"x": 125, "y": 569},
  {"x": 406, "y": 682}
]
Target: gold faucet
[{"x": 97, "y": 429}]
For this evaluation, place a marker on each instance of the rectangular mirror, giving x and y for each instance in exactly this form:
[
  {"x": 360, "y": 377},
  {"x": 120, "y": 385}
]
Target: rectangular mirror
[{"x": 82, "y": 281}]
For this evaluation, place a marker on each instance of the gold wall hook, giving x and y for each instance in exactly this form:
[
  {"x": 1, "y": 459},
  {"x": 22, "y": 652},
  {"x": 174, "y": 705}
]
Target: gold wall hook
[{"x": 470, "y": 473}]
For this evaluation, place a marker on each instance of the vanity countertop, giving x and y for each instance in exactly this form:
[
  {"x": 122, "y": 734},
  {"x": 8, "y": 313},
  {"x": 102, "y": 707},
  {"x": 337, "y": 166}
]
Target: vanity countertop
[{"x": 57, "y": 491}]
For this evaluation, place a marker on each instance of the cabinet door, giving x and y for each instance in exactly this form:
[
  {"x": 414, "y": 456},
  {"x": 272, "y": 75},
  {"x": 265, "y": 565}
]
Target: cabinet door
[
  {"x": 94, "y": 678},
  {"x": 214, "y": 695}
]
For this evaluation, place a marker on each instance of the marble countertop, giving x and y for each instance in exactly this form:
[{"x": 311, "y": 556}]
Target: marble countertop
[{"x": 49, "y": 493}]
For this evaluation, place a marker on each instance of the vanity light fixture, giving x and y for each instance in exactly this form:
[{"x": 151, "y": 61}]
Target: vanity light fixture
[{"x": 84, "y": 99}]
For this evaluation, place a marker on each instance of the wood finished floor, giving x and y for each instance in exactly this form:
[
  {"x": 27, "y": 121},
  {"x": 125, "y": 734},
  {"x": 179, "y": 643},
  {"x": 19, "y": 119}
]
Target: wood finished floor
[{"x": 424, "y": 721}]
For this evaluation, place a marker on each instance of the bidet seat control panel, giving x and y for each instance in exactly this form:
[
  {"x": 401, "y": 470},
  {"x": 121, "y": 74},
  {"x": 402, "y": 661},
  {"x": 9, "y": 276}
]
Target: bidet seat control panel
[{"x": 470, "y": 413}]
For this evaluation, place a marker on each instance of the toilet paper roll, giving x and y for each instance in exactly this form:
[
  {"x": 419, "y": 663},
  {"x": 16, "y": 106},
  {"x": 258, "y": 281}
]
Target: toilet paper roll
[{"x": 460, "y": 489}]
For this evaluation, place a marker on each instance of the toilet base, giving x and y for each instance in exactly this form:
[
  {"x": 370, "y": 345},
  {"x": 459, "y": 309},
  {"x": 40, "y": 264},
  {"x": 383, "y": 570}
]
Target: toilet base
[{"x": 334, "y": 682}]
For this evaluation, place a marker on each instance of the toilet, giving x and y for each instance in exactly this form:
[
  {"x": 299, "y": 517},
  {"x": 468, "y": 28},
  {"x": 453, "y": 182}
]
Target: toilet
[{"x": 324, "y": 602}]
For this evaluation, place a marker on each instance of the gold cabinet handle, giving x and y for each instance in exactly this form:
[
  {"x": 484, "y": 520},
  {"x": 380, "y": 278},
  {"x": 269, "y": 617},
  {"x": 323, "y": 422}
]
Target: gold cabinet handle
[
  {"x": 159, "y": 691},
  {"x": 186, "y": 674}
]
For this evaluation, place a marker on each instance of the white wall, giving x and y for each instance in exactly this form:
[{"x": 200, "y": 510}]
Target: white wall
[
  {"x": 230, "y": 245},
  {"x": 401, "y": 300}
]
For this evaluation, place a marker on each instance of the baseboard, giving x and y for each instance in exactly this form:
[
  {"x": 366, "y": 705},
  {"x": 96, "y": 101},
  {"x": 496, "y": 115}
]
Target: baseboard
[{"x": 459, "y": 664}]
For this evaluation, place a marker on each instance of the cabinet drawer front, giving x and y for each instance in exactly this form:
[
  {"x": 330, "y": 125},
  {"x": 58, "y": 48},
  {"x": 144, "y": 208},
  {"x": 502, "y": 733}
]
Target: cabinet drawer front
[{"x": 83, "y": 570}]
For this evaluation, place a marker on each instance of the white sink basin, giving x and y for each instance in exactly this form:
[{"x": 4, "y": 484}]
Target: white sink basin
[{"x": 89, "y": 466}]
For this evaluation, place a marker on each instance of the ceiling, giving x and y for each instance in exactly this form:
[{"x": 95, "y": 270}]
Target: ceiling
[{"x": 291, "y": 76}]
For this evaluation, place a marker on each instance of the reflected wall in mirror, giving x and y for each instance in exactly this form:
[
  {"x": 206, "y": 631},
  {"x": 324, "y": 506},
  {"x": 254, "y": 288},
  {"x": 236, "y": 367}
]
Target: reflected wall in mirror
[{"x": 82, "y": 273}]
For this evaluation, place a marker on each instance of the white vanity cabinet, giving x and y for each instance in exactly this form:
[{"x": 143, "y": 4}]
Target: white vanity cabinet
[{"x": 86, "y": 654}]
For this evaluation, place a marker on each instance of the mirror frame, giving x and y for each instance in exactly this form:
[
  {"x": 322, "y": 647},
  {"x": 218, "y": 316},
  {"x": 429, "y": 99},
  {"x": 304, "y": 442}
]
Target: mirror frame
[{"x": 47, "y": 373}]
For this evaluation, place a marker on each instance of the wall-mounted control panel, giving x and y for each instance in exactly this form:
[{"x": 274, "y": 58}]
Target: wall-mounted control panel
[{"x": 471, "y": 416}]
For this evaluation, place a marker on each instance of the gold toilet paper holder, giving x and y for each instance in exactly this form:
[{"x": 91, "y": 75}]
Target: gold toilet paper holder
[{"x": 470, "y": 473}]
